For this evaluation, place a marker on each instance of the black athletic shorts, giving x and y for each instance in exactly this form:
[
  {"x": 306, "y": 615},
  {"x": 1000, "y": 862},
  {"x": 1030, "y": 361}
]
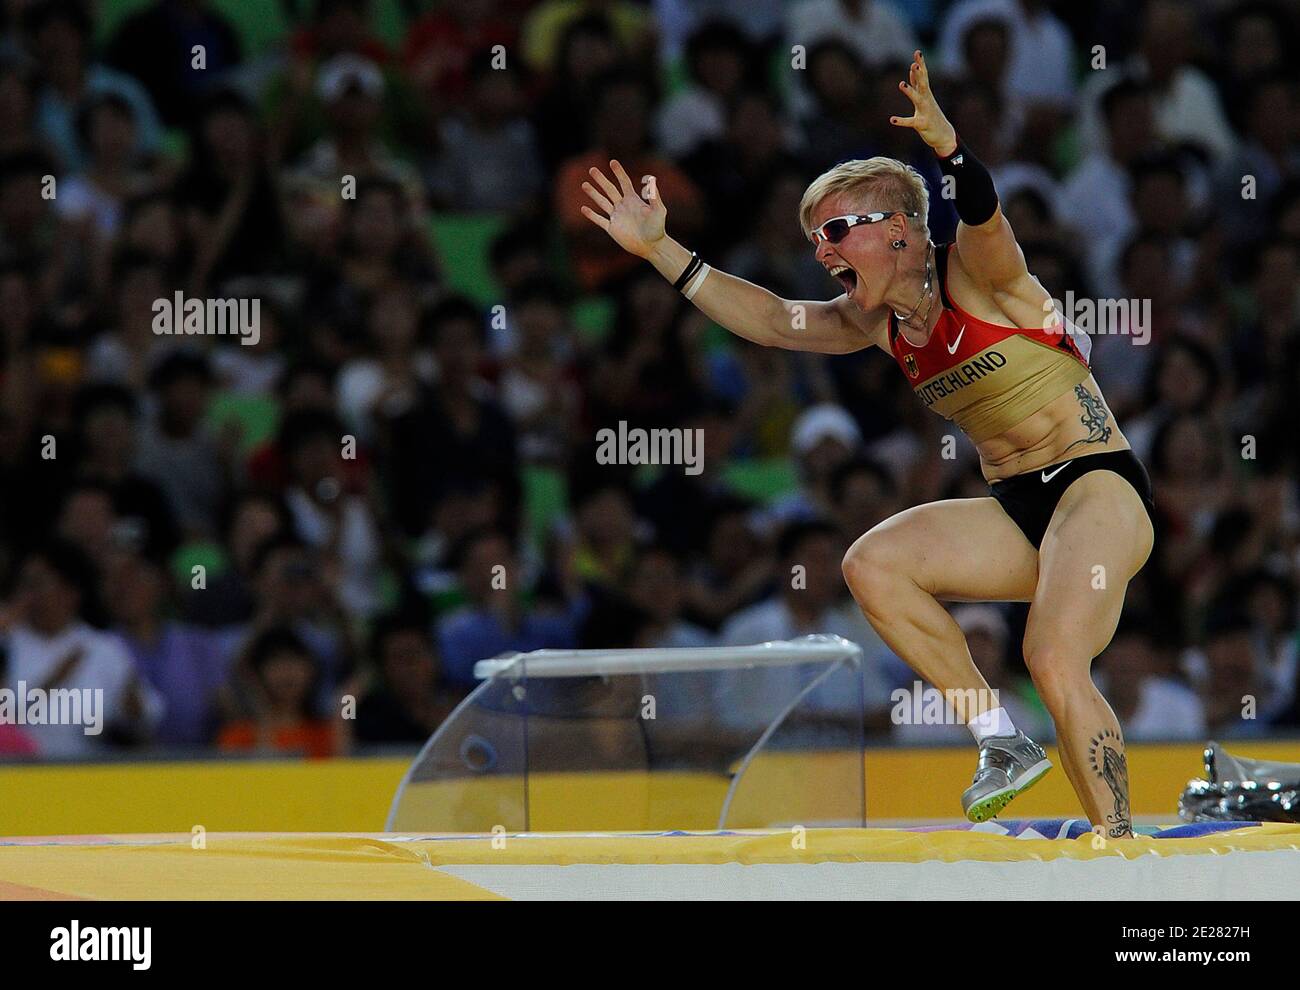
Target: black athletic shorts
[{"x": 1030, "y": 499}]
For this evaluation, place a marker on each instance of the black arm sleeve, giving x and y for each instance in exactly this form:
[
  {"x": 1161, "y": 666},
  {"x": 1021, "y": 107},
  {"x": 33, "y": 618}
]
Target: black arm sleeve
[{"x": 976, "y": 199}]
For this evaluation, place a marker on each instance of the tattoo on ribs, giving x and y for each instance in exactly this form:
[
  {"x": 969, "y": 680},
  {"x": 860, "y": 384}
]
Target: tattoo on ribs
[
  {"x": 1095, "y": 418},
  {"x": 1111, "y": 765}
]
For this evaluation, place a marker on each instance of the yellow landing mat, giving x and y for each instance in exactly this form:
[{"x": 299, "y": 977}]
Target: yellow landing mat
[{"x": 848, "y": 861}]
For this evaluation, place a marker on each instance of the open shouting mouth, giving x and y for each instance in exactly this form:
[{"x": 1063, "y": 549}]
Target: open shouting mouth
[{"x": 846, "y": 276}]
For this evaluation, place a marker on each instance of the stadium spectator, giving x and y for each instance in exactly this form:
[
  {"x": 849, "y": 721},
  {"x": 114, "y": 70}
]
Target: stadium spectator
[
  {"x": 338, "y": 523},
  {"x": 51, "y": 645},
  {"x": 862, "y": 494},
  {"x": 811, "y": 599},
  {"x": 177, "y": 451},
  {"x": 588, "y": 52},
  {"x": 234, "y": 213},
  {"x": 59, "y": 35},
  {"x": 1096, "y": 194},
  {"x": 1185, "y": 106},
  {"x": 1042, "y": 53},
  {"x": 496, "y": 618},
  {"x": 872, "y": 29},
  {"x": 543, "y": 30},
  {"x": 488, "y": 157},
  {"x": 539, "y": 381},
  {"x": 107, "y": 421},
  {"x": 407, "y": 700},
  {"x": 385, "y": 381},
  {"x": 824, "y": 438},
  {"x": 1231, "y": 682},
  {"x": 156, "y": 45},
  {"x": 736, "y": 169},
  {"x": 283, "y": 672},
  {"x": 620, "y": 128},
  {"x": 94, "y": 200},
  {"x": 186, "y": 665},
  {"x": 441, "y": 43},
  {"x": 226, "y": 596},
  {"x": 721, "y": 63},
  {"x": 735, "y": 571},
  {"x": 291, "y": 590},
  {"x": 1151, "y": 701},
  {"x": 655, "y": 587}
]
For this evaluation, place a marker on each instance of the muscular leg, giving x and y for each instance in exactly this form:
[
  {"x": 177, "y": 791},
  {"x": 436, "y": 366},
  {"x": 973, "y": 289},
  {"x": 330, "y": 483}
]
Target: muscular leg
[
  {"x": 1099, "y": 537},
  {"x": 958, "y": 549}
]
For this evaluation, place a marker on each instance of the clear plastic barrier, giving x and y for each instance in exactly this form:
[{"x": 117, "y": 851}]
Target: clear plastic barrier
[{"x": 633, "y": 740}]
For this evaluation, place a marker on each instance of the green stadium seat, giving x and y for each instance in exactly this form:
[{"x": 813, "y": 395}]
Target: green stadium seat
[
  {"x": 258, "y": 415},
  {"x": 111, "y": 13},
  {"x": 762, "y": 480},
  {"x": 201, "y": 553},
  {"x": 546, "y": 497},
  {"x": 260, "y": 24},
  {"x": 593, "y": 317},
  {"x": 462, "y": 241},
  {"x": 389, "y": 23}
]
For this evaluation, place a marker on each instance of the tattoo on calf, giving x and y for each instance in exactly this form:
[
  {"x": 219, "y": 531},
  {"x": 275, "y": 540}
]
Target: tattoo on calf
[
  {"x": 1095, "y": 417},
  {"x": 1111, "y": 765}
]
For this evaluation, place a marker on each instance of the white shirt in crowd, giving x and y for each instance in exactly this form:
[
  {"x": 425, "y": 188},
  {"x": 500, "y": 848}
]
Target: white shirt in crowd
[
  {"x": 1040, "y": 55},
  {"x": 104, "y": 665},
  {"x": 357, "y": 544},
  {"x": 881, "y": 34}
]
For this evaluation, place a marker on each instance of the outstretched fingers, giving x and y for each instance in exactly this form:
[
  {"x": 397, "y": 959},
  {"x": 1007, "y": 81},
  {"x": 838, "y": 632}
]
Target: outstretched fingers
[
  {"x": 597, "y": 198},
  {"x": 596, "y": 218},
  {"x": 916, "y": 87},
  {"x": 624, "y": 180},
  {"x": 919, "y": 74},
  {"x": 609, "y": 188}
]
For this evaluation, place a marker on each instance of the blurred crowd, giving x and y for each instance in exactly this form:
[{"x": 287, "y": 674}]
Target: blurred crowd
[{"x": 304, "y": 545}]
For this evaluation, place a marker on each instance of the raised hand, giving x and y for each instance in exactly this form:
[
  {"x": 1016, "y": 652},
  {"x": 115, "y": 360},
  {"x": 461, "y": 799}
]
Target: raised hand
[
  {"x": 928, "y": 120},
  {"x": 636, "y": 224}
]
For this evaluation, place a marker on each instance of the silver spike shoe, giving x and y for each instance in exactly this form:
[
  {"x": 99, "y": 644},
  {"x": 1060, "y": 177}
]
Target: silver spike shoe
[{"x": 1008, "y": 765}]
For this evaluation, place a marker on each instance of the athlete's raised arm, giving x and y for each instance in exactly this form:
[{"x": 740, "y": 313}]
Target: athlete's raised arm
[
  {"x": 637, "y": 225},
  {"x": 986, "y": 246}
]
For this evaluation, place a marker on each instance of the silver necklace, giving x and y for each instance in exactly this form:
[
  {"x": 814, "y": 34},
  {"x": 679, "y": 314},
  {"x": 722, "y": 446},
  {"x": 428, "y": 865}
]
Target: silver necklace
[{"x": 925, "y": 291}]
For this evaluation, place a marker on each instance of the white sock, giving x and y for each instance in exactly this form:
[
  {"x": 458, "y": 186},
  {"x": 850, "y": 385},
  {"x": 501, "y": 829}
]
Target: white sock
[{"x": 994, "y": 722}]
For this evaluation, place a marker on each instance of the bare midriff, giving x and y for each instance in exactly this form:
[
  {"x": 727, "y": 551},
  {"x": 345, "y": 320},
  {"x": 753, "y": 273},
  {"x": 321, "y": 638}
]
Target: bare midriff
[{"x": 1054, "y": 433}]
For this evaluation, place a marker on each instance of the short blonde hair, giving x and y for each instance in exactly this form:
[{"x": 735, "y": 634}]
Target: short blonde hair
[{"x": 892, "y": 185}]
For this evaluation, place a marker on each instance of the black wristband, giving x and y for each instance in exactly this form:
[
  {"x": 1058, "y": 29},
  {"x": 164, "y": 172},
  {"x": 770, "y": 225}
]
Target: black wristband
[
  {"x": 692, "y": 267},
  {"x": 976, "y": 199}
]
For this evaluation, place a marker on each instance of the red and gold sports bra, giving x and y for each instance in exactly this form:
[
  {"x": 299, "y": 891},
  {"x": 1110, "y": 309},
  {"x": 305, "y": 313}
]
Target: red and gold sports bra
[{"x": 984, "y": 377}]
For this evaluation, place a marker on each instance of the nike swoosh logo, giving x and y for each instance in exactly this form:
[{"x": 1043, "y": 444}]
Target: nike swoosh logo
[
  {"x": 1048, "y": 477},
  {"x": 952, "y": 348}
]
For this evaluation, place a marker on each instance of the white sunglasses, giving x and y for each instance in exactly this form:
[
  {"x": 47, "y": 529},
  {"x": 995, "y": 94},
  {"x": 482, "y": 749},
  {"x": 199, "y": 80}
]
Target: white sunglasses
[{"x": 837, "y": 228}]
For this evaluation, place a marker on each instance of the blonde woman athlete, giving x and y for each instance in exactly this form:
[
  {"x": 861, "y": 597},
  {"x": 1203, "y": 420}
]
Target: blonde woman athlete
[{"x": 1069, "y": 520}]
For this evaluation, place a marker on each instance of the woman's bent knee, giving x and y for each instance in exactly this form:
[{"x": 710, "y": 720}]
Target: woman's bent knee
[
  {"x": 873, "y": 568},
  {"x": 1059, "y": 675}
]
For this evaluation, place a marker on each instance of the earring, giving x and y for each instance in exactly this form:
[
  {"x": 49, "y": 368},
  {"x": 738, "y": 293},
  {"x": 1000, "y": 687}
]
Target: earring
[{"x": 899, "y": 244}]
